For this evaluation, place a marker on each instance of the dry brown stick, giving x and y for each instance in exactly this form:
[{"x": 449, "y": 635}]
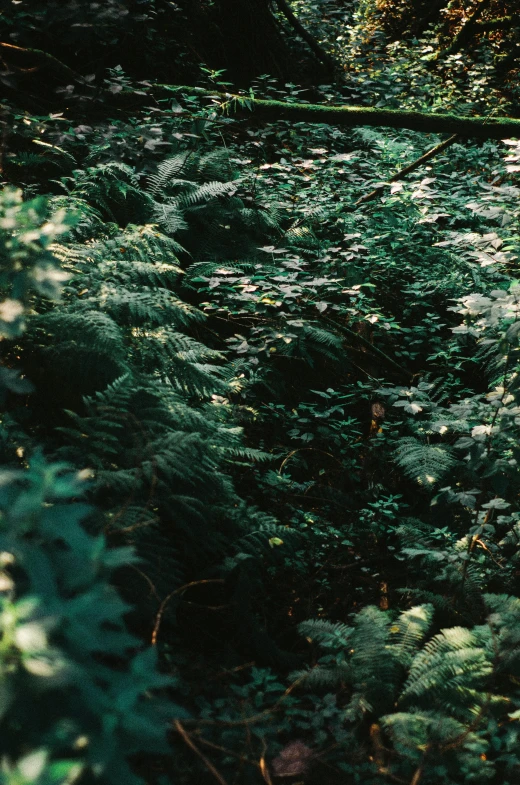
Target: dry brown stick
[
  {"x": 167, "y": 599},
  {"x": 232, "y": 754},
  {"x": 407, "y": 169},
  {"x": 188, "y": 740},
  {"x": 417, "y": 775},
  {"x": 147, "y": 579},
  {"x": 264, "y": 771},
  {"x": 44, "y": 57},
  {"x": 302, "y": 449},
  {"x": 224, "y": 673},
  {"x": 370, "y": 347}
]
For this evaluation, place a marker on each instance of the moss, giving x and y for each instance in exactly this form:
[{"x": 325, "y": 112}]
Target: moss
[{"x": 352, "y": 116}]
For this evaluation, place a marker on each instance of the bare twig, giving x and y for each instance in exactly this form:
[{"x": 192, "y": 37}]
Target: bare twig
[
  {"x": 147, "y": 579},
  {"x": 43, "y": 57},
  {"x": 189, "y": 741},
  {"x": 417, "y": 775},
  {"x": 240, "y": 757},
  {"x": 303, "y": 449},
  {"x": 167, "y": 599},
  {"x": 370, "y": 347},
  {"x": 255, "y": 717},
  {"x": 264, "y": 771}
]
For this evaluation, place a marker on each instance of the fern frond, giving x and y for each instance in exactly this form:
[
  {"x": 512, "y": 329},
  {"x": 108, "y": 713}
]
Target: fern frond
[
  {"x": 330, "y": 635},
  {"x": 96, "y": 329},
  {"x": 451, "y": 663},
  {"x": 316, "y": 339},
  {"x": 245, "y": 455},
  {"x": 215, "y": 165},
  {"x": 136, "y": 272},
  {"x": 266, "y": 538},
  {"x": 146, "y": 306},
  {"x": 141, "y": 243},
  {"x": 425, "y": 463},
  {"x": 166, "y": 171},
  {"x": 319, "y": 678},
  {"x": 321, "y": 337},
  {"x": 169, "y": 216},
  {"x": 61, "y": 157},
  {"x": 70, "y": 255},
  {"x": 409, "y": 631},
  {"x": 371, "y": 635},
  {"x": 205, "y": 192},
  {"x": 301, "y": 237},
  {"x": 209, "y": 269},
  {"x": 428, "y": 729},
  {"x": 89, "y": 219}
]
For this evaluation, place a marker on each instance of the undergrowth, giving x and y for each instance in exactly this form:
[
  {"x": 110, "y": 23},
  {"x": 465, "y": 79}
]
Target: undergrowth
[{"x": 259, "y": 505}]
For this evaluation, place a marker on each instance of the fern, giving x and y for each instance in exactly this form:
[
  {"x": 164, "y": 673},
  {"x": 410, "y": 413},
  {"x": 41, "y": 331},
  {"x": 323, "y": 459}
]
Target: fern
[
  {"x": 203, "y": 193},
  {"x": 147, "y": 306},
  {"x": 94, "y": 327},
  {"x": 267, "y": 537},
  {"x": 452, "y": 666},
  {"x": 167, "y": 171},
  {"x": 314, "y": 339},
  {"x": 432, "y": 732},
  {"x": 170, "y": 217},
  {"x": 427, "y": 464},
  {"x": 329, "y": 635},
  {"x": 139, "y": 243},
  {"x": 409, "y": 631}
]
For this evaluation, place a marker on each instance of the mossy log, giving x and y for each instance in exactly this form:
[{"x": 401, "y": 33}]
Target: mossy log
[{"x": 352, "y": 116}]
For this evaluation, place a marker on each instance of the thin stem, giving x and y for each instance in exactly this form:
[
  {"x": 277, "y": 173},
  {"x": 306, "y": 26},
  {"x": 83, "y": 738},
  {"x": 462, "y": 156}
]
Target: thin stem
[
  {"x": 189, "y": 741},
  {"x": 167, "y": 599},
  {"x": 363, "y": 341}
]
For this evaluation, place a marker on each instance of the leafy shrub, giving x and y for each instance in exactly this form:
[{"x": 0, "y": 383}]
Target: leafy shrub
[
  {"x": 75, "y": 697},
  {"x": 75, "y": 701}
]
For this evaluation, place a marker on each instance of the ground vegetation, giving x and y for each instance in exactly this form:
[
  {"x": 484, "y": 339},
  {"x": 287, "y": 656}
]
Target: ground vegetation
[{"x": 260, "y": 402}]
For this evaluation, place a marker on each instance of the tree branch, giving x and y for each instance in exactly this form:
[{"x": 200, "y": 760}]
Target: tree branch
[
  {"x": 352, "y": 116},
  {"x": 497, "y": 24},
  {"x": 467, "y": 30},
  {"x": 407, "y": 169},
  {"x": 404, "y": 372},
  {"x": 43, "y": 57},
  {"x": 295, "y": 23},
  {"x": 167, "y": 599},
  {"x": 189, "y": 741}
]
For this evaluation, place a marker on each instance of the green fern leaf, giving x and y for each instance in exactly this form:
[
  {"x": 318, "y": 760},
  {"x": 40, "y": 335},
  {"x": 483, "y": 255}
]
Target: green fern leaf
[{"x": 425, "y": 463}]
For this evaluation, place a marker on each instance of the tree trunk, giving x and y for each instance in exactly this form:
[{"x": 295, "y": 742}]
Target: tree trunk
[
  {"x": 352, "y": 116},
  {"x": 250, "y": 43}
]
